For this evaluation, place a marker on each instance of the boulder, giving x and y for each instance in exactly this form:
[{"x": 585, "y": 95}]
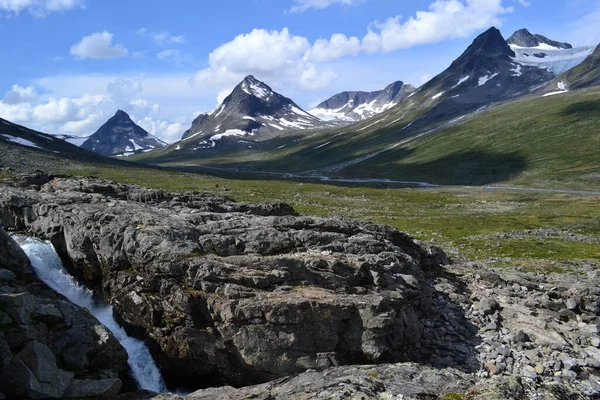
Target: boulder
[
  {"x": 33, "y": 374},
  {"x": 98, "y": 389}
]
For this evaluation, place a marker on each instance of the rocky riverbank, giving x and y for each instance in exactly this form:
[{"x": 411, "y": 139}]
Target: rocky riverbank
[{"x": 238, "y": 294}]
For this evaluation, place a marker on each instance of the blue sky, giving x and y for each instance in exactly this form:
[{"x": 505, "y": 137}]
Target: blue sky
[{"x": 67, "y": 65}]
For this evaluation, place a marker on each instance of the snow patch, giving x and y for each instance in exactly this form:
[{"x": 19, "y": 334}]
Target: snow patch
[
  {"x": 323, "y": 145},
  {"x": 230, "y": 132},
  {"x": 21, "y": 141},
  {"x": 277, "y": 127},
  {"x": 461, "y": 81},
  {"x": 554, "y": 93},
  {"x": 562, "y": 85},
  {"x": 438, "y": 95},
  {"x": 517, "y": 70},
  {"x": 484, "y": 79}
]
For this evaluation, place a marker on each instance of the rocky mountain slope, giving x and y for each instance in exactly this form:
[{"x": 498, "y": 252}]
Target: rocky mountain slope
[
  {"x": 252, "y": 111},
  {"x": 524, "y": 38},
  {"x": 49, "y": 347},
  {"x": 121, "y": 136},
  {"x": 356, "y": 106}
]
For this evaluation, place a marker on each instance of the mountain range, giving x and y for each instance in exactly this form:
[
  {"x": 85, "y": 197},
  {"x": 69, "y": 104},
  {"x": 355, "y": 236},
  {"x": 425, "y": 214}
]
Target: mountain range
[
  {"x": 258, "y": 129},
  {"x": 357, "y": 106}
]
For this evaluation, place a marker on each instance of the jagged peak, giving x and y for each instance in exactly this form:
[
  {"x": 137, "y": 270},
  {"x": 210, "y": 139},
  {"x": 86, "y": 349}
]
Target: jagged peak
[
  {"x": 524, "y": 38},
  {"x": 254, "y": 87},
  {"x": 488, "y": 45}
]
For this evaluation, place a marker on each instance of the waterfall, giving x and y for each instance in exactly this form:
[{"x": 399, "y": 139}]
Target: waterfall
[{"x": 49, "y": 268}]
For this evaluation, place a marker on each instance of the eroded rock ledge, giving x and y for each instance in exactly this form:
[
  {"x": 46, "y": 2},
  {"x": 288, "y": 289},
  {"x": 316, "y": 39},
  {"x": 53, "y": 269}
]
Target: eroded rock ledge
[{"x": 235, "y": 293}]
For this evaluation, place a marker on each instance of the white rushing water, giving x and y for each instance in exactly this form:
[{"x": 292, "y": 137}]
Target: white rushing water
[{"x": 49, "y": 268}]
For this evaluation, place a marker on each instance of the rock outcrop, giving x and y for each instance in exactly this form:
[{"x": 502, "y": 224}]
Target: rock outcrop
[
  {"x": 238, "y": 294},
  {"x": 49, "y": 347},
  {"x": 231, "y": 292}
]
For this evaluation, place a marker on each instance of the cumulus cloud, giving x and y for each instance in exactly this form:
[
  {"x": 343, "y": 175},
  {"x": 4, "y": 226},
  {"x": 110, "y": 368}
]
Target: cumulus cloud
[
  {"x": 445, "y": 19},
  {"x": 83, "y": 115},
  {"x": 293, "y": 61},
  {"x": 161, "y": 38},
  {"x": 275, "y": 56},
  {"x": 98, "y": 45},
  {"x": 303, "y": 5},
  {"x": 38, "y": 8},
  {"x": 19, "y": 94},
  {"x": 165, "y": 130}
]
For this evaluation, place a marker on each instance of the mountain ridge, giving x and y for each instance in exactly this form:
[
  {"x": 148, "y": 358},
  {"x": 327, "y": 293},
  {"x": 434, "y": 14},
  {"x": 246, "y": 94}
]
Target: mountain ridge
[
  {"x": 524, "y": 38},
  {"x": 352, "y": 106}
]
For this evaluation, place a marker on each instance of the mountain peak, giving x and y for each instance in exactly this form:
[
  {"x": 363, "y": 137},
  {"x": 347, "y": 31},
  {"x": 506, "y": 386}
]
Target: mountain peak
[
  {"x": 252, "y": 109},
  {"x": 491, "y": 43},
  {"x": 524, "y": 38},
  {"x": 252, "y": 86},
  {"x": 121, "y": 135},
  {"x": 120, "y": 114}
]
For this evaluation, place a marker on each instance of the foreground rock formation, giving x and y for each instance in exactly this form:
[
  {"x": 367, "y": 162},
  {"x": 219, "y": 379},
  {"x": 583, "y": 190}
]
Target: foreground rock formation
[
  {"x": 237, "y": 294},
  {"x": 50, "y": 348}
]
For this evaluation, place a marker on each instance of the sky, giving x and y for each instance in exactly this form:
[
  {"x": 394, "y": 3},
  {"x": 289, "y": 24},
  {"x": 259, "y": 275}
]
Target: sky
[{"x": 68, "y": 65}]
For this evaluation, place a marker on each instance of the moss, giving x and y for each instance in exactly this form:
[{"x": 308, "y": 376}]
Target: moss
[{"x": 453, "y": 396}]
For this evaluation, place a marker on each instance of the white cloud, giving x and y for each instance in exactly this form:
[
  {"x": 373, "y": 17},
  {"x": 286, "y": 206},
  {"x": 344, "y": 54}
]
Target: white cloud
[
  {"x": 165, "y": 130},
  {"x": 83, "y": 115},
  {"x": 19, "y": 94},
  {"x": 162, "y": 38},
  {"x": 282, "y": 61},
  {"x": 445, "y": 19},
  {"x": 303, "y": 5},
  {"x": 293, "y": 62},
  {"x": 38, "y": 8},
  {"x": 524, "y": 3},
  {"x": 338, "y": 46},
  {"x": 175, "y": 56},
  {"x": 98, "y": 46}
]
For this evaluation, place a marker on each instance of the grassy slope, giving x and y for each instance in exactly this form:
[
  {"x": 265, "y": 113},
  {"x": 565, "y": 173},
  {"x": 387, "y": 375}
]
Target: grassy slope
[{"x": 546, "y": 141}]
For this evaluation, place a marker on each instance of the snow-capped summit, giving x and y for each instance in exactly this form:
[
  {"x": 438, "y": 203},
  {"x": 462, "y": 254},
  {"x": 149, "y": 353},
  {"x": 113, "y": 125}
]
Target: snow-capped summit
[
  {"x": 253, "y": 111},
  {"x": 538, "y": 51},
  {"x": 121, "y": 136},
  {"x": 524, "y": 38},
  {"x": 356, "y": 106}
]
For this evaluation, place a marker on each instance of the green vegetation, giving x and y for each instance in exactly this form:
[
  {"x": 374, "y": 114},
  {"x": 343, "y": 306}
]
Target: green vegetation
[
  {"x": 453, "y": 396},
  {"x": 479, "y": 224},
  {"x": 544, "y": 142}
]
